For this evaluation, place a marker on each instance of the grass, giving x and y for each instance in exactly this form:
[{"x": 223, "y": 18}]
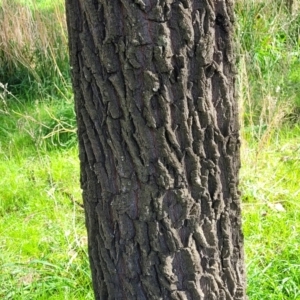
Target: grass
[
  {"x": 269, "y": 51},
  {"x": 33, "y": 48},
  {"x": 43, "y": 240},
  {"x": 271, "y": 197}
]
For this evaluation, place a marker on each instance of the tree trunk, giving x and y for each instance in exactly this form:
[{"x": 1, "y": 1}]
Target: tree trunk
[{"x": 159, "y": 147}]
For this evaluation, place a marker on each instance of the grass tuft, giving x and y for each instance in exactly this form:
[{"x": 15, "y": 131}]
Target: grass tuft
[{"x": 33, "y": 47}]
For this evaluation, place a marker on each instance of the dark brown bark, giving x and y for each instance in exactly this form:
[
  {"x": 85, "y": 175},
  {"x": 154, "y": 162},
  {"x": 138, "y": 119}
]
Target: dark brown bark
[{"x": 159, "y": 147}]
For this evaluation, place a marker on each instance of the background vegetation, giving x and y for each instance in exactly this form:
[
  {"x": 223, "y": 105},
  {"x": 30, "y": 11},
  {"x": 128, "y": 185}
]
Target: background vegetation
[{"x": 42, "y": 233}]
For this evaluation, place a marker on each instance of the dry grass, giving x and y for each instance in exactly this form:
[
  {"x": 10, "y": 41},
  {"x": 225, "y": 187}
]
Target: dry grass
[{"x": 31, "y": 39}]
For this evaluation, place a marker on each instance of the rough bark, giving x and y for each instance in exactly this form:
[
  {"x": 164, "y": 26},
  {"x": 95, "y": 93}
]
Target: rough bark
[{"x": 159, "y": 147}]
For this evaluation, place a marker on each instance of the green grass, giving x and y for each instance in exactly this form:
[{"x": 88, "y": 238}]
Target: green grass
[
  {"x": 43, "y": 240},
  {"x": 43, "y": 244},
  {"x": 269, "y": 177},
  {"x": 269, "y": 66}
]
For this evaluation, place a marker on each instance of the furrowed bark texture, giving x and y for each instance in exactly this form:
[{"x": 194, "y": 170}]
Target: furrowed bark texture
[{"x": 159, "y": 147}]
